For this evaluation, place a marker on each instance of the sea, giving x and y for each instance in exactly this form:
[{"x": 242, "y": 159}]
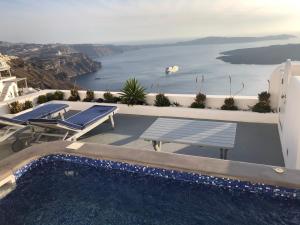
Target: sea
[{"x": 199, "y": 70}]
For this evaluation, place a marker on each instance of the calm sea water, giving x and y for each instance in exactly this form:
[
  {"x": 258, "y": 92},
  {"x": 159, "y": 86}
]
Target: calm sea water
[{"x": 148, "y": 66}]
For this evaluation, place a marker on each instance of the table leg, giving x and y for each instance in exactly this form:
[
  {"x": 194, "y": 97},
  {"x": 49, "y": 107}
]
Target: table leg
[
  {"x": 221, "y": 153},
  {"x": 225, "y": 154},
  {"x": 156, "y": 145}
]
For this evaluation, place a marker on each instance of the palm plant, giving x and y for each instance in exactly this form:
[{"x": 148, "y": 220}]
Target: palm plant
[{"x": 133, "y": 93}]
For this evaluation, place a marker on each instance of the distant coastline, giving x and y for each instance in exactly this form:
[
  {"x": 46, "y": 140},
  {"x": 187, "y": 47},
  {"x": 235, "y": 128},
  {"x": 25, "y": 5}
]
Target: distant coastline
[
  {"x": 213, "y": 40},
  {"x": 270, "y": 55}
]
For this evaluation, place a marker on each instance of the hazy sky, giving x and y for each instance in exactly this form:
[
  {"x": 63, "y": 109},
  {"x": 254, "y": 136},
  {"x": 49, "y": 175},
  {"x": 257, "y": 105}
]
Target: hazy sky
[{"x": 99, "y": 21}]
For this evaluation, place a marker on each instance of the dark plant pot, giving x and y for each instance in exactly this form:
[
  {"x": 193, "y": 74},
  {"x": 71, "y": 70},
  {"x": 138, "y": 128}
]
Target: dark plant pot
[{"x": 198, "y": 105}]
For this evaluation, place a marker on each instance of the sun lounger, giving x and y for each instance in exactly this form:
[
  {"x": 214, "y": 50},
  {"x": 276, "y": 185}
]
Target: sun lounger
[
  {"x": 78, "y": 124},
  {"x": 19, "y": 122}
]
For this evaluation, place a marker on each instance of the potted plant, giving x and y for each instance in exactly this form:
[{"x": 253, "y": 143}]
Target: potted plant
[
  {"x": 50, "y": 97},
  {"x": 58, "y": 95},
  {"x": 27, "y": 105},
  {"x": 89, "y": 96},
  {"x": 42, "y": 99},
  {"x": 74, "y": 95},
  {"x": 15, "y": 107},
  {"x": 229, "y": 104},
  {"x": 263, "y": 105},
  {"x": 110, "y": 98},
  {"x": 199, "y": 101},
  {"x": 133, "y": 93},
  {"x": 162, "y": 101}
]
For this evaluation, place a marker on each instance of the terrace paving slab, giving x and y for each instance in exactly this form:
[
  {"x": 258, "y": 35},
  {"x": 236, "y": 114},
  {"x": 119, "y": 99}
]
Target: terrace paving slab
[{"x": 255, "y": 143}]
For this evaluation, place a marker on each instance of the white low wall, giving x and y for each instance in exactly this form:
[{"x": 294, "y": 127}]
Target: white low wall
[
  {"x": 212, "y": 101},
  {"x": 182, "y": 112},
  {"x": 30, "y": 97}
]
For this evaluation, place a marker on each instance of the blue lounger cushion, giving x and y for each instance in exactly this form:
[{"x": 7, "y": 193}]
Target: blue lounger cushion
[
  {"x": 80, "y": 120},
  {"x": 39, "y": 112}
]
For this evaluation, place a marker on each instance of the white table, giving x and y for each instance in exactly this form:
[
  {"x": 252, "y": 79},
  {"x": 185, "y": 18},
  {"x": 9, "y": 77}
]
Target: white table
[{"x": 193, "y": 132}]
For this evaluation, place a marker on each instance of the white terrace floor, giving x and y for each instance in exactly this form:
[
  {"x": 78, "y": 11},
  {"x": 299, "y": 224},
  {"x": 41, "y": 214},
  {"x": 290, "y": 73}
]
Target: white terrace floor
[{"x": 255, "y": 143}]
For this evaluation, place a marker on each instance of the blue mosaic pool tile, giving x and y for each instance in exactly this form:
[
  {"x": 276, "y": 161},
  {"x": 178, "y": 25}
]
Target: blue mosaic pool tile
[{"x": 226, "y": 183}]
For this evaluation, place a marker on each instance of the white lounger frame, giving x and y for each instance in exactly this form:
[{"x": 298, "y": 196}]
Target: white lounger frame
[{"x": 11, "y": 129}]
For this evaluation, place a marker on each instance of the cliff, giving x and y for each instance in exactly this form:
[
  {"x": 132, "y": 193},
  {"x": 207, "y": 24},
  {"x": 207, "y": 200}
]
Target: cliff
[
  {"x": 270, "y": 55},
  {"x": 48, "y": 66},
  {"x": 97, "y": 51},
  {"x": 38, "y": 78}
]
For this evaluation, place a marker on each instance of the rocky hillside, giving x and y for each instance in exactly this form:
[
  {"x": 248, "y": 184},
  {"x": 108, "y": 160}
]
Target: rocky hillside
[
  {"x": 55, "y": 72},
  {"x": 48, "y": 66},
  {"x": 36, "y": 77},
  {"x": 97, "y": 51}
]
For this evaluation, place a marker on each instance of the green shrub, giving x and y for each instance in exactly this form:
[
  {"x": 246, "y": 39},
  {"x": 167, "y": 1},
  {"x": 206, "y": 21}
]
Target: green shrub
[
  {"x": 27, "y": 105},
  {"x": 15, "y": 107},
  {"x": 133, "y": 93},
  {"x": 89, "y": 96},
  {"x": 199, "y": 101},
  {"x": 263, "y": 106},
  {"x": 50, "y": 97},
  {"x": 162, "y": 101},
  {"x": 42, "y": 99},
  {"x": 110, "y": 98},
  {"x": 229, "y": 104},
  {"x": 264, "y": 97},
  {"x": 58, "y": 95},
  {"x": 197, "y": 105},
  {"x": 74, "y": 95}
]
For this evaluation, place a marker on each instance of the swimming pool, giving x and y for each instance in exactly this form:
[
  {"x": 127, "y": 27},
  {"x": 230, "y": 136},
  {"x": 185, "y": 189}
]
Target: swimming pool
[{"x": 65, "y": 189}]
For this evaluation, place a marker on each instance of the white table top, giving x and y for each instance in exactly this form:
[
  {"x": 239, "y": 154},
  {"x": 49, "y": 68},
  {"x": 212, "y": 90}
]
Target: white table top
[{"x": 193, "y": 132}]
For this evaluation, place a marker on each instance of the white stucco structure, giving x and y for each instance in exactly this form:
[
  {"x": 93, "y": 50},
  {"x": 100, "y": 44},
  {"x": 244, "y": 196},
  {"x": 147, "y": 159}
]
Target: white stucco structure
[
  {"x": 8, "y": 84},
  {"x": 286, "y": 79}
]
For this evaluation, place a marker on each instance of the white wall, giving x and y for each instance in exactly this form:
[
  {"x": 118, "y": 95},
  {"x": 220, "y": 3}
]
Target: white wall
[
  {"x": 212, "y": 101},
  {"x": 30, "y": 97},
  {"x": 11, "y": 91},
  {"x": 289, "y": 127},
  {"x": 275, "y": 85},
  {"x": 289, "y": 116},
  {"x": 210, "y": 114}
]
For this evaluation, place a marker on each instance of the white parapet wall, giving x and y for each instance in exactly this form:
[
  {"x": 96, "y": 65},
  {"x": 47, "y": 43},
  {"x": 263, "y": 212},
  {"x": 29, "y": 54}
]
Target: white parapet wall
[
  {"x": 185, "y": 100},
  {"x": 212, "y": 112},
  {"x": 289, "y": 125},
  {"x": 4, "y": 109},
  {"x": 183, "y": 112}
]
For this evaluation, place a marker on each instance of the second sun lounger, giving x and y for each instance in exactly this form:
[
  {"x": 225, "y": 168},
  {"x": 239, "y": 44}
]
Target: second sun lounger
[
  {"x": 19, "y": 122},
  {"x": 78, "y": 124}
]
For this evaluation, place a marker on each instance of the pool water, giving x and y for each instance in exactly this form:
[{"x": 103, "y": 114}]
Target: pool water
[{"x": 61, "y": 192}]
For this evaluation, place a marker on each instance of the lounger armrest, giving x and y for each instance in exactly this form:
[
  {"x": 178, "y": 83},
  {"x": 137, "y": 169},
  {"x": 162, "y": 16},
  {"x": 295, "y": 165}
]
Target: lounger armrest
[
  {"x": 11, "y": 120},
  {"x": 45, "y": 122}
]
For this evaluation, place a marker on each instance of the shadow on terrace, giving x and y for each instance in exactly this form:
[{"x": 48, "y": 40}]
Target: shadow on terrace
[{"x": 255, "y": 143}]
